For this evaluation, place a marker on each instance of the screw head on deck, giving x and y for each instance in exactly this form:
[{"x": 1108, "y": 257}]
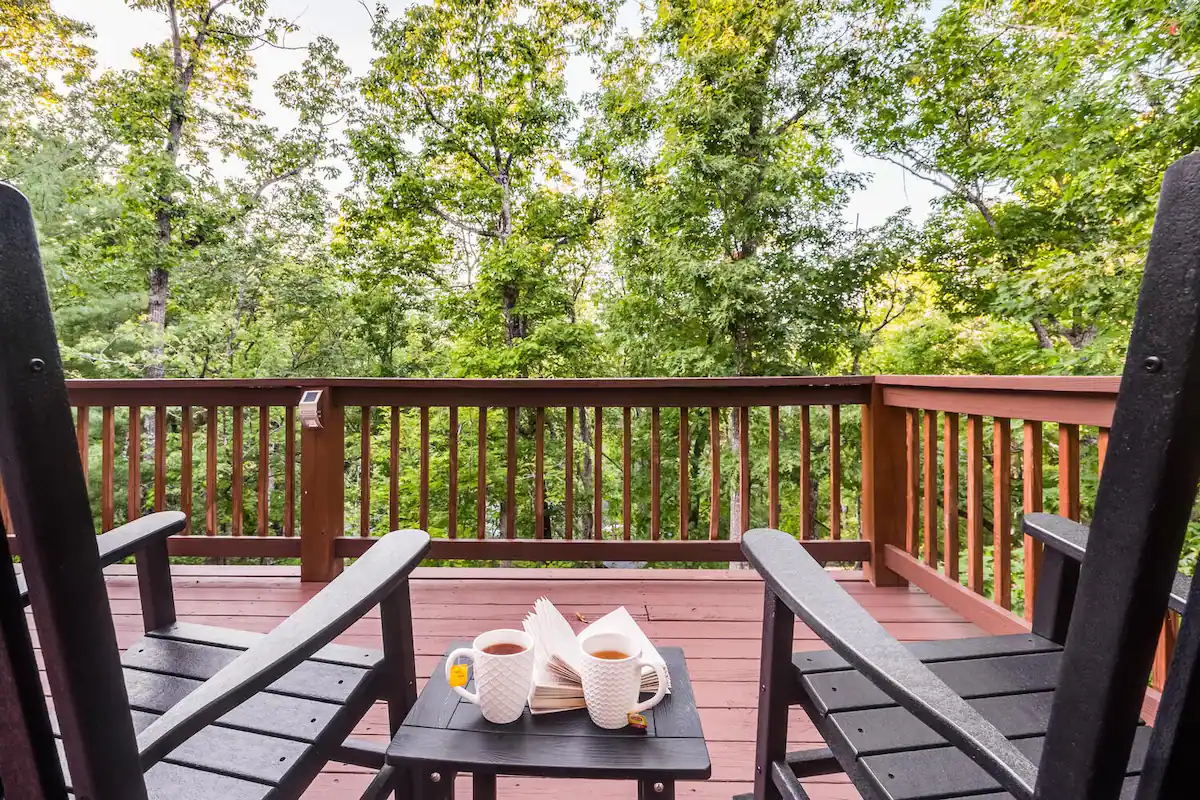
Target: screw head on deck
[
  {"x": 1152, "y": 364},
  {"x": 658, "y": 787},
  {"x": 436, "y": 777},
  {"x": 36, "y": 365}
]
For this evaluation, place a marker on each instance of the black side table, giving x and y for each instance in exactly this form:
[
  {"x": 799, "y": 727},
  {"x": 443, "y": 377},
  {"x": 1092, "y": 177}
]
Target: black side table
[{"x": 444, "y": 735}]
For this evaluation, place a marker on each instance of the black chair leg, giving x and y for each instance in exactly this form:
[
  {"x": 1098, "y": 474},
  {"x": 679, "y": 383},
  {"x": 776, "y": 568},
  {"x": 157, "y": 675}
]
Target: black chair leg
[{"x": 777, "y": 690}]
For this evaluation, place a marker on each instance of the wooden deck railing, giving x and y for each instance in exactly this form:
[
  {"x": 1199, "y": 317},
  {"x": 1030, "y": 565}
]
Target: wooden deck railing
[{"x": 890, "y": 471}]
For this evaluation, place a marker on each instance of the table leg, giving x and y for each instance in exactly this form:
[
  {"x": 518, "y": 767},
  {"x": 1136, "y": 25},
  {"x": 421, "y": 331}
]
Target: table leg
[
  {"x": 650, "y": 789},
  {"x": 483, "y": 786}
]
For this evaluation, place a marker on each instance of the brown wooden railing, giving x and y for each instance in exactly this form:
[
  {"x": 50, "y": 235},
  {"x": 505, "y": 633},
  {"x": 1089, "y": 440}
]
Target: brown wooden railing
[{"x": 888, "y": 471}]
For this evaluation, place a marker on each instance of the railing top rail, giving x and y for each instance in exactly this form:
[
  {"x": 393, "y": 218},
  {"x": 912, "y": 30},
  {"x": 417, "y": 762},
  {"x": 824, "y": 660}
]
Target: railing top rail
[
  {"x": 1072, "y": 384},
  {"x": 471, "y": 383}
]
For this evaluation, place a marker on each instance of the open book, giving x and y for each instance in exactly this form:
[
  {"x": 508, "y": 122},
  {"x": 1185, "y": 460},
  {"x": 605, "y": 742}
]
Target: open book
[{"x": 557, "y": 656}]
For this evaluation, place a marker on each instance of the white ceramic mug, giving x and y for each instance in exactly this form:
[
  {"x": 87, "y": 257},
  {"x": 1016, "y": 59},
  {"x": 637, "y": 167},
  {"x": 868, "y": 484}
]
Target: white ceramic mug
[
  {"x": 502, "y": 682},
  {"x": 611, "y": 686}
]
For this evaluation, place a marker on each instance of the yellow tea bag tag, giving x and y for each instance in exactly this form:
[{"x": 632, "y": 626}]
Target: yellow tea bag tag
[
  {"x": 637, "y": 721},
  {"x": 458, "y": 675}
]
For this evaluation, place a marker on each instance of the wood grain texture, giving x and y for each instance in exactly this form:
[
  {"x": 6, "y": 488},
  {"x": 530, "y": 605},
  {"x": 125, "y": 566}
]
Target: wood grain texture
[
  {"x": 773, "y": 466},
  {"x": 211, "y": 431},
  {"x": 1031, "y": 501},
  {"x": 744, "y": 467},
  {"x": 1002, "y": 512},
  {"x": 394, "y": 469},
  {"x": 883, "y": 484},
  {"x": 1101, "y": 449},
  {"x": 975, "y": 503},
  {"x": 83, "y": 436},
  {"x": 930, "y": 446},
  {"x": 289, "y": 471},
  {"x": 569, "y": 474},
  {"x": 950, "y": 495}
]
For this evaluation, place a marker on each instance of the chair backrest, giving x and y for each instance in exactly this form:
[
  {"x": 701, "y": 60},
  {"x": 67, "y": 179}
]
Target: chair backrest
[
  {"x": 50, "y": 513},
  {"x": 1142, "y": 510}
]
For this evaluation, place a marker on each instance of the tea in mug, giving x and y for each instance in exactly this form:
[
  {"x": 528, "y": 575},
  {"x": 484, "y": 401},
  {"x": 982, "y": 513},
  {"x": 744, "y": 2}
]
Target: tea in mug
[
  {"x": 610, "y": 655},
  {"x": 504, "y": 649}
]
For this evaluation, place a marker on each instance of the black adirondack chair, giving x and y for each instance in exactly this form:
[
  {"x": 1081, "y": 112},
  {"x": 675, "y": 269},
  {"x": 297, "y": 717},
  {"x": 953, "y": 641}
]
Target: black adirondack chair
[
  {"x": 189, "y": 711},
  {"x": 1053, "y": 714}
]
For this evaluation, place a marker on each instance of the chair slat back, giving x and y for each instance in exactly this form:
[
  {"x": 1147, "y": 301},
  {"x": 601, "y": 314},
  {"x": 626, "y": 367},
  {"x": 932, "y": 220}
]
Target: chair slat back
[
  {"x": 50, "y": 513},
  {"x": 1142, "y": 509}
]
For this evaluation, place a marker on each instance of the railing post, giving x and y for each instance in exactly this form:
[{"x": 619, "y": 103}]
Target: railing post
[
  {"x": 322, "y": 492},
  {"x": 883, "y": 487}
]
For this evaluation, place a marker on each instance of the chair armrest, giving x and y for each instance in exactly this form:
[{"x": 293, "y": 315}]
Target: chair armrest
[
  {"x": 1070, "y": 538},
  {"x": 811, "y": 593},
  {"x": 122, "y": 542},
  {"x": 344, "y": 600}
]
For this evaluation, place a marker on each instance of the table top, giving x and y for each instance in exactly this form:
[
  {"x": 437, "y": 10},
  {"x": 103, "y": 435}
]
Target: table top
[{"x": 443, "y": 729}]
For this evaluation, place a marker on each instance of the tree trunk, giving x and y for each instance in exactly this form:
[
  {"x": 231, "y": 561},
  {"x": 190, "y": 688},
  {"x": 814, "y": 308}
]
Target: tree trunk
[{"x": 156, "y": 313}]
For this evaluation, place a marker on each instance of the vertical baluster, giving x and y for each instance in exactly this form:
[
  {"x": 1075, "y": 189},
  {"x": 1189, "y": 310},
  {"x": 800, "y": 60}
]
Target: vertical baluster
[
  {"x": 627, "y": 479},
  {"x": 1101, "y": 450},
  {"x": 452, "y": 501},
  {"x": 108, "y": 458},
  {"x": 83, "y": 434},
  {"x": 237, "y": 475},
  {"x": 773, "y": 467},
  {"x": 364, "y": 472},
  {"x": 912, "y": 483},
  {"x": 835, "y": 472},
  {"x": 950, "y": 495},
  {"x": 289, "y": 471},
  {"x": 685, "y": 494},
  {"x": 264, "y": 468},
  {"x": 598, "y": 477},
  {"x": 160, "y": 458},
  {"x": 481, "y": 477},
  {"x": 655, "y": 473},
  {"x": 185, "y": 465},
  {"x": 744, "y": 468},
  {"x": 510, "y": 502},
  {"x": 539, "y": 475},
  {"x": 1068, "y": 471},
  {"x": 424, "y": 476},
  {"x": 1164, "y": 651},
  {"x": 210, "y": 472},
  {"x": 133, "y": 494},
  {"x": 394, "y": 470},
  {"x": 931, "y": 490},
  {"x": 1002, "y": 512},
  {"x": 714, "y": 489},
  {"x": 975, "y": 503},
  {"x": 569, "y": 477},
  {"x": 1031, "y": 490},
  {"x": 807, "y": 511}
]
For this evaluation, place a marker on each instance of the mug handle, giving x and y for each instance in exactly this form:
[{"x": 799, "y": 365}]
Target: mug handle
[
  {"x": 469, "y": 654},
  {"x": 660, "y": 670}
]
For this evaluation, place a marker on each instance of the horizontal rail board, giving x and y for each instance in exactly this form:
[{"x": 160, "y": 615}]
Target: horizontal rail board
[
  {"x": 1082, "y": 409},
  {"x": 606, "y": 550},
  {"x": 952, "y": 594},
  {"x": 1074, "y": 384}
]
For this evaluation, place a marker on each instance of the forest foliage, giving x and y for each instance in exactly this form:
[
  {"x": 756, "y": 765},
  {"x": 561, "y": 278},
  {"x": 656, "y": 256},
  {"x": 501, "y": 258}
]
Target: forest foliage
[{"x": 685, "y": 218}]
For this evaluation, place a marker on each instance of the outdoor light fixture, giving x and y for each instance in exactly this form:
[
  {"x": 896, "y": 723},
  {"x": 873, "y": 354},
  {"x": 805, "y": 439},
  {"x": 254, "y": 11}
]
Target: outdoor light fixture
[{"x": 310, "y": 409}]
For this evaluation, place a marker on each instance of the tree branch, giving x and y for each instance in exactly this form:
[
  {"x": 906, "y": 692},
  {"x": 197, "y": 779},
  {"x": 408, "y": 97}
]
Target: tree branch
[{"x": 463, "y": 225}]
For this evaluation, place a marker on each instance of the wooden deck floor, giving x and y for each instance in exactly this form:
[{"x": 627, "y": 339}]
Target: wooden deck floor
[{"x": 714, "y": 615}]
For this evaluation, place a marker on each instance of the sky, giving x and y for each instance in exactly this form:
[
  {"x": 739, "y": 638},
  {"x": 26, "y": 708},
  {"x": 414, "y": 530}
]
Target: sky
[{"x": 119, "y": 29}]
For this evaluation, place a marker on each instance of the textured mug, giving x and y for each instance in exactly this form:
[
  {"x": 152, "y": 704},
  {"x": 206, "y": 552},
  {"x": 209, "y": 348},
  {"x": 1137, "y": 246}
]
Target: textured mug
[
  {"x": 502, "y": 682},
  {"x": 610, "y": 685}
]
